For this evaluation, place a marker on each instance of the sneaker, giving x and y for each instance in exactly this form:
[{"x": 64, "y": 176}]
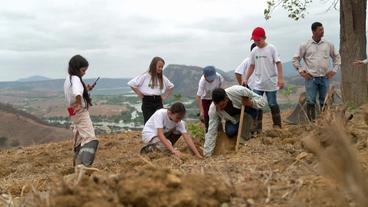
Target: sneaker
[{"x": 148, "y": 149}]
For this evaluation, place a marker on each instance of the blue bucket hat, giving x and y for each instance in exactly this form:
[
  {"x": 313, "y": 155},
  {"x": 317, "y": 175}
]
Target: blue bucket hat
[{"x": 209, "y": 73}]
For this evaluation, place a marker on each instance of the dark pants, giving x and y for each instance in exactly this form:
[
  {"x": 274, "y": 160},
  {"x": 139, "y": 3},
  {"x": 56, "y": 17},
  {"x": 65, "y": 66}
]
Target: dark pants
[
  {"x": 156, "y": 145},
  {"x": 275, "y": 109},
  {"x": 150, "y": 104},
  {"x": 85, "y": 155},
  {"x": 231, "y": 130},
  {"x": 314, "y": 86},
  {"x": 173, "y": 137},
  {"x": 206, "y": 106}
]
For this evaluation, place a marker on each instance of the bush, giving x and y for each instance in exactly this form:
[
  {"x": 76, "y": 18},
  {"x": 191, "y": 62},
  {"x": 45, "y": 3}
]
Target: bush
[
  {"x": 3, "y": 141},
  {"x": 196, "y": 130},
  {"x": 14, "y": 143}
]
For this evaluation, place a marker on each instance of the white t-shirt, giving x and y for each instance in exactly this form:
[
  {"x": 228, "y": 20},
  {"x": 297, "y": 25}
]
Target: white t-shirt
[
  {"x": 160, "y": 119},
  {"x": 72, "y": 88},
  {"x": 205, "y": 88},
  {"x": 143, "y": 83},
  {"x": 265, "y": 70},
  {"x": 242, "y": 70}
]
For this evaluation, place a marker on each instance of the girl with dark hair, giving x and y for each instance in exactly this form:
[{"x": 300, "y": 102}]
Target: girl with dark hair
[
  {"x": 152, "y": 87},
  {"x": 78, "y": 101}
]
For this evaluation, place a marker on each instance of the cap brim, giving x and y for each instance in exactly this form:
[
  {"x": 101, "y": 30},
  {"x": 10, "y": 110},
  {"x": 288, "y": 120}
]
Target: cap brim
[
  {"x": 255, "y": 38},
  {"x": 211, "y": 77}
]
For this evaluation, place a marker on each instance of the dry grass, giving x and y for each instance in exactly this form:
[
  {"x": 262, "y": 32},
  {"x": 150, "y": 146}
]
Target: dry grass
[
  {"x": 338, "y": 160},
  {"x": 271, "y": 170}
]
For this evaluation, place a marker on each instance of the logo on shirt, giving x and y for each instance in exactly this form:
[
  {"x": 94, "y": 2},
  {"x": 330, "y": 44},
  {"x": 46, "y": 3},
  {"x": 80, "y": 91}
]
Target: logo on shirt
[
  {"x": 325, "y": 53},
  {"x": 260, "y": 56}
]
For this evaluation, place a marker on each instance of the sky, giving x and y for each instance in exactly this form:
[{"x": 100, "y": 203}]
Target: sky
[{"x": 119, "y": 38}]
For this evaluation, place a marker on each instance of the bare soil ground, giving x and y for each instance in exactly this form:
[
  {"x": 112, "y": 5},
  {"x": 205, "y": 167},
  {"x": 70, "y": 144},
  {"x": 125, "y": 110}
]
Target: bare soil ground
[{"x": 274, "y": 169}]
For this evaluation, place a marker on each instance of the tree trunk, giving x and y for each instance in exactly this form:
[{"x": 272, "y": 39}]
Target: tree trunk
[{"x": 353, "y": 46}]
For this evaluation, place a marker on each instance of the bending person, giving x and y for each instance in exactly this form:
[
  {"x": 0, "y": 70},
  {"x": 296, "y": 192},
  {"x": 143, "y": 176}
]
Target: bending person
[{"x": 227, "y": 105}]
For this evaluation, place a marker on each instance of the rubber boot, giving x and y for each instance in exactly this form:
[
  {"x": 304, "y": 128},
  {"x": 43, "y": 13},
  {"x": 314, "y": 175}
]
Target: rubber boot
[
  {"x": 259, "y": 121},
  {"x": 311, "y": 112},
  {"x": 87, "y": 153},
  {"x": 276, "y": 117}
]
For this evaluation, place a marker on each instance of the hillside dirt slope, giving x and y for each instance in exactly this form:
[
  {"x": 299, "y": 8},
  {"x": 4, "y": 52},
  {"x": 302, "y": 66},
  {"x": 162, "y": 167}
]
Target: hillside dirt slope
[
  {"x": 273, "y": 169},
  {"x": 23, "y": 131}
]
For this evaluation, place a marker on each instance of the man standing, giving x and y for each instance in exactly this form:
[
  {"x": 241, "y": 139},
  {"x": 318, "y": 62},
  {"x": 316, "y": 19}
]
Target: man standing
[
  {"x": 226, "y": 105},
  {"x": 315, "y": 54},
  {"x": 266, "y": 64}
]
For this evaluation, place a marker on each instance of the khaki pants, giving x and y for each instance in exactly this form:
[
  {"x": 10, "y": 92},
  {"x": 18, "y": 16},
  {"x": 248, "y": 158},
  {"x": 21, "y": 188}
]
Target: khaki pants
[
  {"x": 85, "y": 141},
  {"x": 82, "y": 128}
]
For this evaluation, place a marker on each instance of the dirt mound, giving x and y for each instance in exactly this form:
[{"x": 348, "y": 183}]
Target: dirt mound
[
  {"x": 279, "y": 133},
  {"x": 172, "y": 188},
  {"x": 149, "y": 187}
]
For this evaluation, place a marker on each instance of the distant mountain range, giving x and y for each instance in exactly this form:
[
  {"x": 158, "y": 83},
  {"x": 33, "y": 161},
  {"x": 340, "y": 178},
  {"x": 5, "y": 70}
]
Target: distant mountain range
[
  {"x": 184, "y": 77},
  {"x": 33, "y": 78},
  {"x": 104, "y": 85}
]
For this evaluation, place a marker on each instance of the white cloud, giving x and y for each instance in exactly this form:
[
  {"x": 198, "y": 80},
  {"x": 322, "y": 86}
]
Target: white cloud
[{"x": 120, "y": 37}]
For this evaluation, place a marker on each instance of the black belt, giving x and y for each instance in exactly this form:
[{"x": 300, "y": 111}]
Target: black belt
[{"x": 152, "y": 98}]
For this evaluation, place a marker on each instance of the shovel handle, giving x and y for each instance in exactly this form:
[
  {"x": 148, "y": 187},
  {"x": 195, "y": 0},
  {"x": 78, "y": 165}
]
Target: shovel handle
[{"x": 240, "y": 128}]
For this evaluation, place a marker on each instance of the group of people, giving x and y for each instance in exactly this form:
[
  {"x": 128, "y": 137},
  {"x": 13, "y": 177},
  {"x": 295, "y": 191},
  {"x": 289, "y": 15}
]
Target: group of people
[{"x": 259, "y": 74}]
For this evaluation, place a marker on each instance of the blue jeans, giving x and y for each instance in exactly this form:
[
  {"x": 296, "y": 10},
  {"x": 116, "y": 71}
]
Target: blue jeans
[
  {"x": 271, "y": 97},
  {"x": 314, "y": 85},
  {"x": 231, "y": 130},
  {"x": 275, "y": 110}
]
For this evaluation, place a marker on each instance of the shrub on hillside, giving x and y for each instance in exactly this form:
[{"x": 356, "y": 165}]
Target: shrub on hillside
[{"x": 3, "y": 141}]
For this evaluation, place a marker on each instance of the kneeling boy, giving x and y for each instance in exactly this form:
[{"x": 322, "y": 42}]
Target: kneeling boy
[{"x": 164, "y": 128}]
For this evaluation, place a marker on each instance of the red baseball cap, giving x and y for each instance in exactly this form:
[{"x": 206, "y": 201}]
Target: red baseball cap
[{"x": 258, "y": 33}]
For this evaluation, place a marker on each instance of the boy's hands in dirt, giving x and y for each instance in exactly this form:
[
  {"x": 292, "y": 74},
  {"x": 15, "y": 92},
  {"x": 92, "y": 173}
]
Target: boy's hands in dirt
[{"x": 177, "y": 153}]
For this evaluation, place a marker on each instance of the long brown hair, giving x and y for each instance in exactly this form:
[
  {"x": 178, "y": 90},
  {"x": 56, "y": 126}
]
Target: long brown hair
[{"x": 156, "y": 78}]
